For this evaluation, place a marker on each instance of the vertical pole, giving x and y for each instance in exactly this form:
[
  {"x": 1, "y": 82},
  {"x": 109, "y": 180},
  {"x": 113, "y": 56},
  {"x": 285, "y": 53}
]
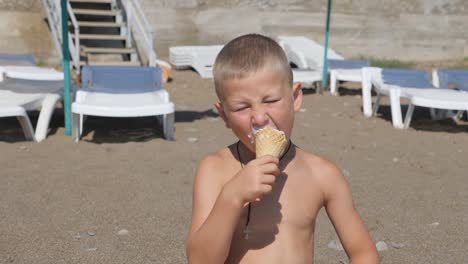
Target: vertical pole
[
  {"x": 325, "y": 53},
  {"x": 66, "y": 69}
]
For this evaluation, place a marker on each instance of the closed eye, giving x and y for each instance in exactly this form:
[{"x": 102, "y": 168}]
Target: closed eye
[
  {"x": 238, "y": 109},
  {"x": 271, "y": 101}
]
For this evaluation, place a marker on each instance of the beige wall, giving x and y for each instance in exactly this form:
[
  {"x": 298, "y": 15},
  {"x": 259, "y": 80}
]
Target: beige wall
[
  {"x": 416, "y": 30},
  {"x": 23, "y": 29}
]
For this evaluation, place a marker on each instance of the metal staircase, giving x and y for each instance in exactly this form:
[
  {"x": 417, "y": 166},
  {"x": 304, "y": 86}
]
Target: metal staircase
[{"x": 103, "y": 32}]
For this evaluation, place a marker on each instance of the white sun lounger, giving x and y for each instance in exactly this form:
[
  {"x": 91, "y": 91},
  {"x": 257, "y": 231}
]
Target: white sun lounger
[
  {"x": 30, "y": 73},
  {"x": 411, "y": 84},
  {"x": 200, "y": 58},
  {"x": 451, "y": 78},
  {"x": 305, "y": 53},
  {"x": 308, "y": 54},
  {"x": 122, "y": 91},
  {"x": 25, "y": 87},
  {"x": 19, "y": 96},
  {"x": 345, "y": 70}
]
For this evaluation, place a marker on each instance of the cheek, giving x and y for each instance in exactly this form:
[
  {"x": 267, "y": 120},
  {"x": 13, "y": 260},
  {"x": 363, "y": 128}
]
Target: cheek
[{"x": 240, "y": 124}]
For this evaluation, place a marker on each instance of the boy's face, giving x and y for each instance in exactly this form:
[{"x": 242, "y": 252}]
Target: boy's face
[{"x": 262, "y": 99}]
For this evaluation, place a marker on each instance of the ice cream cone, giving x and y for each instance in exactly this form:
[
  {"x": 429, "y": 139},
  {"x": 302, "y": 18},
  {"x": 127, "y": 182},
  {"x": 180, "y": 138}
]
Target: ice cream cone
[{"x": 269, "y": 141}]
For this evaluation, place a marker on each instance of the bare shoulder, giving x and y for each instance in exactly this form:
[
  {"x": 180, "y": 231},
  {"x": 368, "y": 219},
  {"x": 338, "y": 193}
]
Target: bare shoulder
[
  {"x": 212, "y": 164},
  {"x": 320, "y": 167},
  {"x": 323, "y": 171}
]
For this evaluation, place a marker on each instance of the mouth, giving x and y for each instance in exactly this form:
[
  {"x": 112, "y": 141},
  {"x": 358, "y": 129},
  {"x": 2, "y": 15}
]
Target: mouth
[{"x": 255, "y": 129}]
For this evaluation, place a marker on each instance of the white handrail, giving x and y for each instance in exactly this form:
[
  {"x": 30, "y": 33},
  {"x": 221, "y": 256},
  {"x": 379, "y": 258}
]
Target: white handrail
[
  {"x": 48, "y": 6},
  {"x": 76, "y": 53},
  {"x": 53, "y": 10},
  {"x": 138, "y": 25}
]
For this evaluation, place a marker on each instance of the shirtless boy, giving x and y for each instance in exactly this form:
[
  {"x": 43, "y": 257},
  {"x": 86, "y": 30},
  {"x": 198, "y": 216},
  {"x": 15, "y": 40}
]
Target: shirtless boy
[{"x": 263, "y": 210}]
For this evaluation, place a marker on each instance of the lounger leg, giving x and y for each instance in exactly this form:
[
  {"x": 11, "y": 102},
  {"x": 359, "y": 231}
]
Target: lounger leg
[
  {"x": 409, "y": 115},
  {"x": 26, "y": 125},
  {"x": 366, "y": 94},
  {"x": 47, "y": 109},
  {"x": 77, "y": 123},
  {"x": 396, "y": 108},
  {"x": 168, "y": 126},
  {"x": 333, "y": 83},
  {"x": 376, "y": 104}
]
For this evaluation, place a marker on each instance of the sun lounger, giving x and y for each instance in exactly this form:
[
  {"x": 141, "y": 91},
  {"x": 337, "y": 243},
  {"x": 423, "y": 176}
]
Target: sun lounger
[
  {"x": 345, "y": 70},
  {"x": 308, "y": 54},
  {"x": 444, "y": 78},
  {"x": 451, "y": 78},
  {"x": 200, "y": 58},
  {"x": 19, "y": 96},
  {"x": 17, "y": 59},
  {"x": 305, "y": 53},
  {"x": 25, "y": 87},
  {"x": 122, "y": 91},
  {"x": 411, "y": 84}
]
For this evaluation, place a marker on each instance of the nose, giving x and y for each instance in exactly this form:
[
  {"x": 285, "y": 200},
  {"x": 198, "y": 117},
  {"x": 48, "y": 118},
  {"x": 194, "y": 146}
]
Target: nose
[{"x": 259, "y": 117}]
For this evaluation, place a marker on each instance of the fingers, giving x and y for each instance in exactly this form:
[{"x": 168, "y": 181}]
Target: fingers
[
  {"x": 271, "y": 169},
  {"x": 265, "y": 189},
  {"x": 267, "y": 159},
  {"x": 268, "y": 179}
]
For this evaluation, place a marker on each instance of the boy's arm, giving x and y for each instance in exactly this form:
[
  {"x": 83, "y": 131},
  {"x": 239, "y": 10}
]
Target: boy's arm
[
  {"x": 214, "y": 216},
  {"x": 349, "y": 226}
]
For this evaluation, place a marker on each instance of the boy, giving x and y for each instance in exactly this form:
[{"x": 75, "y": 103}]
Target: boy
[{"x": 248, "y": 210}]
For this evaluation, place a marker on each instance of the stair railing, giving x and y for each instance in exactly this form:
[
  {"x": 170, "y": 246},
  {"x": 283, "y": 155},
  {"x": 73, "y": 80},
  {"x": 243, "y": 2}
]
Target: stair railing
[
  {"x": 74, "y": 47},
  {"x": 53, "y": 17},
  {"x": 53, "y": 11},
  {"x": 139, "y": 29}
]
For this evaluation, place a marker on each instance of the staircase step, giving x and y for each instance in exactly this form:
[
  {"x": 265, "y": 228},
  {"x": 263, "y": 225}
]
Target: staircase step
[
  {"x": 92, "y": 1},
  {"x": 98, "y": 24},
  {"x": 109, "y": 50},
  {"x": 100, "y": 37},
  {"x": 95, "y": 12},
  {"x": 111, "y": 63}
]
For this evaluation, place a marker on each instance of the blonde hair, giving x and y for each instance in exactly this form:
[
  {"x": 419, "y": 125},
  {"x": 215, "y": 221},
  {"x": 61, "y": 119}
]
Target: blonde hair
[{"x": 246, "y": 55}]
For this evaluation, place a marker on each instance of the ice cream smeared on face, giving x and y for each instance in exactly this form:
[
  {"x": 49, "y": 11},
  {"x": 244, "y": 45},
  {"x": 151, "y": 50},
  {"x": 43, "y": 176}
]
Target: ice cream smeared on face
[{"x": 269, "y": 141}]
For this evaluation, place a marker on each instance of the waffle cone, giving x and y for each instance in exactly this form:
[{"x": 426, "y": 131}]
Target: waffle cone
[{"x": 269, "y": 141}]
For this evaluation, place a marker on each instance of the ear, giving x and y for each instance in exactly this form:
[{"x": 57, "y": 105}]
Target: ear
[
  {"x": 220, "y": 108},
  {"x": 297, "y": 94}
]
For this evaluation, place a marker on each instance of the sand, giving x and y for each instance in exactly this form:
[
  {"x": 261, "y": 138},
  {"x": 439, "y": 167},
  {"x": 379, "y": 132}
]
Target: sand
[{"x": 123, "y": 194}]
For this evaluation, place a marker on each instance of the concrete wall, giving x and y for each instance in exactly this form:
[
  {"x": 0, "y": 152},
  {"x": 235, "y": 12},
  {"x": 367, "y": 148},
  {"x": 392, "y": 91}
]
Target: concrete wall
[
  {"x": 415, "y": 30},
  {"x": 23, "y": 29}
]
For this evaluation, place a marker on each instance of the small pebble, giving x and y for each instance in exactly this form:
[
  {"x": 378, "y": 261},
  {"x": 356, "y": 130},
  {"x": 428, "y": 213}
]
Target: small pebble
[
  {"x": 346, "y": 173},
  {"x": 90, "y": 233},
  {"x": 397, "y": 245},
  {"x": 434, "y": 224},
  {"x": 123, "y": 232},
  {"x": 396, "y": 159},
  {"x": 381, "y": 246},
  {"x": 336, "y": 245},
  {"x": 192, "y": 139},
  {"x": 303, "y": 110}
]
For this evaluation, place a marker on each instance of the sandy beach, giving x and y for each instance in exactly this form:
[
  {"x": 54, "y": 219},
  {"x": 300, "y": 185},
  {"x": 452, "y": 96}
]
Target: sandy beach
[{"x": 123, "y": 193}]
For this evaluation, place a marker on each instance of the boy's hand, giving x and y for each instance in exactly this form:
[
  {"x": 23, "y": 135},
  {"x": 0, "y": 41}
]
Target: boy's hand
[{"x": 254, "y": 181}]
